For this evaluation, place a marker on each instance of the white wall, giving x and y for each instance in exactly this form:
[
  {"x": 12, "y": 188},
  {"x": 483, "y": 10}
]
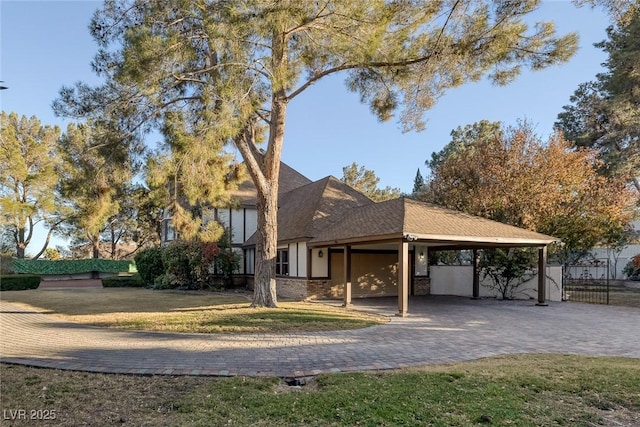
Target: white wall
[
  {"x": 251, "y": 224},
  {"x": 320, "y": 266},
  {"x": 223, "y": 217},
  {"x": 458, "y": 280},
  {"x": 293, "y": 260},
  {"x": 237, "y": 226},
  {"x": 302, "y": 259}
]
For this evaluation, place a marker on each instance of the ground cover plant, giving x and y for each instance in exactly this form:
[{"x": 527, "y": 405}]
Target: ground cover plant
[
  {"x": 524, "y": 390},
  {"x": 187, "y": 311}
]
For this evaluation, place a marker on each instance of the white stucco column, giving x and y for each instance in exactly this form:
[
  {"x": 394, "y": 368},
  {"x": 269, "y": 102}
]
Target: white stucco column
[{"x": 403, "y": 278}]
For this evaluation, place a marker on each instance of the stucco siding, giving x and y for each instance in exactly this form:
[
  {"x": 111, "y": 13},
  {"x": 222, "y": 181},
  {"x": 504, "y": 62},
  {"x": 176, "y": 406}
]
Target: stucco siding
[
  {"x": 372, "y": 274},
  {"x": 251, "y": 222},
  {"x": 319, "y": 264},
  {"x": 293, "y": 260},
  {"x": 302, "y": 259},
  {"x": 237, "y": 226}
]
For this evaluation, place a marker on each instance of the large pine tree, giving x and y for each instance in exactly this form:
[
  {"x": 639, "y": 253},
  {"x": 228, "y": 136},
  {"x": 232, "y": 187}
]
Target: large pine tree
[{"x": 234, "y": 66}]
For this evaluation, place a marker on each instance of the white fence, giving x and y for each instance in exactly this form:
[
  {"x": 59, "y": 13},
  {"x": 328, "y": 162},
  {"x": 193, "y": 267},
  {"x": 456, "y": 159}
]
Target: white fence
[
  {"x": 458, "y": 280},
  {"x": 617, "y": 261}
]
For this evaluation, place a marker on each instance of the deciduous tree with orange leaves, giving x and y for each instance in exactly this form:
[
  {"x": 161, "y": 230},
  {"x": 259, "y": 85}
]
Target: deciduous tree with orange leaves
[{"x": 512, "y": 176}]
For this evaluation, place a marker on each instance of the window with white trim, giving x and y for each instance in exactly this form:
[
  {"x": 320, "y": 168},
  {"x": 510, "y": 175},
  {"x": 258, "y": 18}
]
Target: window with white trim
[{"x": 282, "y": 262}]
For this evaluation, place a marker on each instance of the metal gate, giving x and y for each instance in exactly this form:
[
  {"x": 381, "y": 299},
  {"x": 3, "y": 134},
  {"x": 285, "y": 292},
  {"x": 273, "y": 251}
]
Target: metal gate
[{"x": 586, "y": 281}]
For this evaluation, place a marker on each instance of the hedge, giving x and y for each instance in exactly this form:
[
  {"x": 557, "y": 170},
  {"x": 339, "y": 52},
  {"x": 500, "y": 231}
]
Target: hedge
[
  {"x": 134, "y": 281},
  {"x": 74, "y": 266},
  {"x": 19, "y": 282}
]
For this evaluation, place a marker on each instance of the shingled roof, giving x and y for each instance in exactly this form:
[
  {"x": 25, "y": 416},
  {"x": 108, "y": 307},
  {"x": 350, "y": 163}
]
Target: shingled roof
[
  {"x": 289, "y": 179},
  {"x": 304, "y": 212},
  {"x": 400, "y": 217}
]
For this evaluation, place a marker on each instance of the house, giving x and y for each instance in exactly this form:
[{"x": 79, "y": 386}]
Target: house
[{"x": 334, "y": 242}]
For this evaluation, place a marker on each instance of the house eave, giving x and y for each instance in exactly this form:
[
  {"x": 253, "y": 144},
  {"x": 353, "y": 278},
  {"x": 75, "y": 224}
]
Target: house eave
[
  {"x": 448, "y": 240},
  {"x": 489, "y": 240},
  {"x": 362, "y": 239}
]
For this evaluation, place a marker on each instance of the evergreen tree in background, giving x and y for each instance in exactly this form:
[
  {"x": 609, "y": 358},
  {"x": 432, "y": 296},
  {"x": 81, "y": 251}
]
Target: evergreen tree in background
[
  {"x": 605, "y": 114},
  {"x": 29, "y": 159},
  {"x": 366, "y": 181},
  {"x": 418, "y": 184}
]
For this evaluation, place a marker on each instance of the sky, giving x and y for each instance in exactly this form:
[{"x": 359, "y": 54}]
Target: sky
[{"x": 45, "y": 45}]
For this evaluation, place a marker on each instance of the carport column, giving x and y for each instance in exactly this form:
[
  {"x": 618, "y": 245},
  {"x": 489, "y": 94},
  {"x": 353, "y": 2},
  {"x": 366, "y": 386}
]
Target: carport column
[
  {"x": 403, "y": 278},
  {"x": 542, "y": 276},
  {"x": 476, "y": 274},
  {"x": 347, "y": 276}
]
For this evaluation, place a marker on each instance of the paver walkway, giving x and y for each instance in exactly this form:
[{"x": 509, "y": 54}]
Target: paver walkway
[{"x": 439, "y": 330}]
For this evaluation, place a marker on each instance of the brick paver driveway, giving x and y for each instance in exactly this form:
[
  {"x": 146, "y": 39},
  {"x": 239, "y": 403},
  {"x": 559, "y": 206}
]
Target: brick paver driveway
[{"x": 439, "y": 330}]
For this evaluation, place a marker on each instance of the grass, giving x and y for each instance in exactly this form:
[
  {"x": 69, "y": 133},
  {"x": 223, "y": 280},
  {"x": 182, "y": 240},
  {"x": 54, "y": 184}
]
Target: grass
[
  {"x": 178, "y": 311},
  {"x": 531, "y": 390},
  {"x": 626, "y": 296},
  {"x": 619, "y": 294}
]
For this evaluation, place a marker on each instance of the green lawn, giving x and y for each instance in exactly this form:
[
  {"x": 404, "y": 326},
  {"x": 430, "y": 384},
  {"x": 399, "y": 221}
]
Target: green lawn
[
  {"x": 178, "y": 311},
  {"x": 531, "y": 390}
]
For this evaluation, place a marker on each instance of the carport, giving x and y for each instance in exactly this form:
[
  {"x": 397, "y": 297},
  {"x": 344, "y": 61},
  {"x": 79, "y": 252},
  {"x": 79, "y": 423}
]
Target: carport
[{"x": 408, "y": 224}]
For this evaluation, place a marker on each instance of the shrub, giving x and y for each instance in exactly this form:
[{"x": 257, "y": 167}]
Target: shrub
[
  {"x": 19, "y": 282},
  {"x": 150, "y": 265},
  {"x": 226, "y": 260},
  {"x": 134, "y": 281},
  {"x": 507, "y": 269},
  {"x": 632, "y": 269},
  {"x": 188, "y": 264}
]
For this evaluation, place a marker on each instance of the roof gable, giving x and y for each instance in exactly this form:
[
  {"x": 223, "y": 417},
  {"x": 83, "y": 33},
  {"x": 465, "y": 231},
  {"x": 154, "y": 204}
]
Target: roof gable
[
  {"x": 289, "y": 179},
  {"x": 306, "y": 211}
]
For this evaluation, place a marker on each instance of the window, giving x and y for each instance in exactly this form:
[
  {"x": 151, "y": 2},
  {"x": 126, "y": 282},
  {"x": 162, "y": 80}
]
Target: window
[{"x": 282, "y": 262}]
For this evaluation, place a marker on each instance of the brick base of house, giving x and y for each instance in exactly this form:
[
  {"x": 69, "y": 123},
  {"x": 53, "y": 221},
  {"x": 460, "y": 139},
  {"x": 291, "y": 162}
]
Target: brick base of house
[
  {"x": 301, "y": 288},
  {"x": 298, "y": 288}
]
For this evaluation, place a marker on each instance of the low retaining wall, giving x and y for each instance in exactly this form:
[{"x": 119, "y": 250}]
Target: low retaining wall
[
  {"x": 300, "y": 288},
  {"x": 80, "y": 276}
]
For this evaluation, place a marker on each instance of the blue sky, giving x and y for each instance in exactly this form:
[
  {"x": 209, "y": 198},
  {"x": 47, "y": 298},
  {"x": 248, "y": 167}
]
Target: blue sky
[{"x": 45, "y": 45}]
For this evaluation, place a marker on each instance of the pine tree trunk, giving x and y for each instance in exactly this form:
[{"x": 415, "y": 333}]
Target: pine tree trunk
[
  {"x": 20, "y": 244},
  {"x": 95, "y": 244},
  {"x": 264, "y": 294}
]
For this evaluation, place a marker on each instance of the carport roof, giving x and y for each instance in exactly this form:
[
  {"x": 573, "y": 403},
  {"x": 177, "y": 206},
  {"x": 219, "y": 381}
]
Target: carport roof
[{"x": 414, "y": 220}]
